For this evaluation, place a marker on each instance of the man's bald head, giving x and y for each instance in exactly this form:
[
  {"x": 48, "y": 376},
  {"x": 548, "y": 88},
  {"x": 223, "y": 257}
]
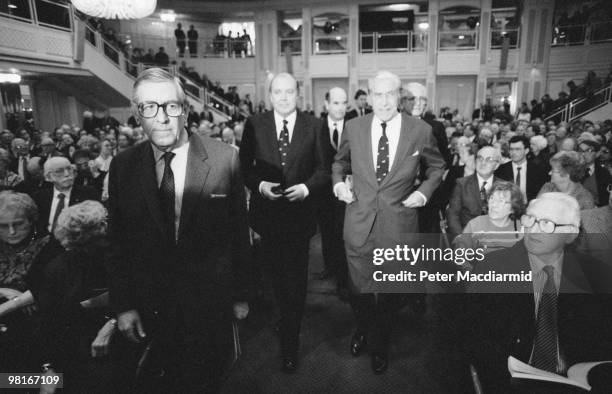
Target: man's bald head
[
  {"x": 336, "y": 102},
  {"x": 283, "y": 94}
]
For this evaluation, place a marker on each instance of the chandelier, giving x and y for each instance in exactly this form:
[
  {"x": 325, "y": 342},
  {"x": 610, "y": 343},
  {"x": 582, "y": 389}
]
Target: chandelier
[{"x": 119, "y": 9}]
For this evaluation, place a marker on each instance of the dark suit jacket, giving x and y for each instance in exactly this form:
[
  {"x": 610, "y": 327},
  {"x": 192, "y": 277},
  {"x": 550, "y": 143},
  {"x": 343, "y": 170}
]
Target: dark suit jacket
[
  {"x": 602, "y": 180},
  {"x": 500, "y": 325},
  {"x": 439, "y": 133},
  {"x": 260, "y": 161},
  {"x": 43, "y": 199},
  {"x": 464, "y": 203},
  {"x": 207, "y": 269},
  {"x": 95, "y": 183},
  {"x": 354, "y": 114},
  {"x": 536, "y": 177}
]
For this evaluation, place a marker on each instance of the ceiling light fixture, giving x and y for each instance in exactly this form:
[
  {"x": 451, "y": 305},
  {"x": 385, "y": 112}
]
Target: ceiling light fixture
[{"x": 116, "y": 9}]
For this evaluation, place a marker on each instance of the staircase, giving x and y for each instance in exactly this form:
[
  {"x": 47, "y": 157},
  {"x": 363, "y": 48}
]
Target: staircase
[{"x": 594, "y": 107}]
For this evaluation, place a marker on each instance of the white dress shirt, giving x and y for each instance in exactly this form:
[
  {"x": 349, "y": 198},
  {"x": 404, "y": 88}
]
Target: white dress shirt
[
  {"x": 54, "y": 203},
  {"x": 179, "y": 170},
  {"x": 481, "y": 180},
  {"x": 393, "y": 133},
  {"x": 338, "y": 125},
  {"x": 523, "y": 185},
  {"x": 278, "y": 121}
]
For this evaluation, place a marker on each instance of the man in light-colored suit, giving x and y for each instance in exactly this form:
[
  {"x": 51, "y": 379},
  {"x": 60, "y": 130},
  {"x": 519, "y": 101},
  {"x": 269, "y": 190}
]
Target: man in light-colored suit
[{"x": 383, "y": 151}]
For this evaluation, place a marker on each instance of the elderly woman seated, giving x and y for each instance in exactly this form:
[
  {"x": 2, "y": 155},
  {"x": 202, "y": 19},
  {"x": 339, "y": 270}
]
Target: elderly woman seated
[
  {"x": 499, "y": 228},
  {"x": 73, "y": 300},
  {"x": 22, "y": 254},
  {"x": 567, "y": 171}
]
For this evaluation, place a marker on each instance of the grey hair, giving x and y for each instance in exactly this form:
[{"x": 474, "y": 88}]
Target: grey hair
[
  {"x": 20, "y": 204},
  {"x": 80, "y": 224},
  {"x": 385, "y": 75},
  {"x": 157, "y": 74},
  {"x": 571, "y": 208},
  {"x": 539, "y": 141}
]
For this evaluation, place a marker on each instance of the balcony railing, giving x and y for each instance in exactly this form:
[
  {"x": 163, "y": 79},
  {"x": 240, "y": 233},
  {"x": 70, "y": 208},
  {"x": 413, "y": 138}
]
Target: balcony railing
[
  {"x": 293, "y": 43},
  {"x": 405, "y": 41},
  {"x": 582, "y": 106},
  {"x": 228, "y": 47},
  {"x": 593, "y": 33},
  {"x": 458, "y": 40},
  {"x": 39, "y": 12}
]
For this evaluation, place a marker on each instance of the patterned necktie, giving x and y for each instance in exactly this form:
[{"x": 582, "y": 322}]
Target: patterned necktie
[
  {"x": 335, "y": 136},
  {"x": 283, "y": 143},
  {"x": 166, "y": 193},
  {"x": 545, "y": 348},
  {"x": 60, "y": 206},
  {"x": 518, "y": 176},
  {"x": 382, "y": 160},
  {"x": 483, "y": 198}
]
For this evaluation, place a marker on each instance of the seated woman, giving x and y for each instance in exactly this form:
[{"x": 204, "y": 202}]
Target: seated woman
[
  {"x": 22, "y": 253},
  {"x": 499, "y": 228},
  {"x": 567, "y": 170},
  {"x": 74, "y": 281}
]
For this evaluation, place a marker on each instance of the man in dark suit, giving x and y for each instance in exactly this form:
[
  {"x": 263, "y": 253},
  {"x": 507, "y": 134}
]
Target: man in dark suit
[
  {"x": 20, "y": 151},
  {"x": 469, "y": 197},
  {"x": 384, "y": 152},
  {"x": 597, "y": 177},
  {"x": 330, "y": 210},
  {"x": 178, "y": 221},
  {"x": 569, "y": 292},
  {"x": 51, "y": 201},
  {"x": 529, "y": 176},
  {"x": 87, "y": 173},
  {"x": 361, "y": 101},
  {"x": 282, "y": 161}
]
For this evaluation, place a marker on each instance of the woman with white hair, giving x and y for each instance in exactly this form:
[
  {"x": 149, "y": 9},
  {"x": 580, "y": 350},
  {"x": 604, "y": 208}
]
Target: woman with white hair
[
  {"x": 538, "y": 151},
  {"x": 73, "y": 302}
]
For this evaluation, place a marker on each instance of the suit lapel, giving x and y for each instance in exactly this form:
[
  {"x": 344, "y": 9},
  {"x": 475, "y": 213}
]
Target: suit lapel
[
  {"x": 195, "y": 178},
  {"x": 297, "y": 139},
  {"x": 475, "y": 191},
  {"x": 271, "y": 139},
  {"x": 366, "y": 132},
  {"x": 148, "y": 183}
]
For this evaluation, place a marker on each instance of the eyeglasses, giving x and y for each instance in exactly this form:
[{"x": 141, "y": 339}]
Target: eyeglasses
[
  {"x": 62, "y": 171},
  {"x": 150, "y": 109},
  {"x": 546, "y": 226},
  {"x": 487, "y": 160}
]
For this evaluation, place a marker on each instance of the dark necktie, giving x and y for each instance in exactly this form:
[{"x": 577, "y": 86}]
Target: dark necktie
[
  {"x": 483, "y": 198},
  {"x": 283, "y": 143},
  {"x": 60, "y": 206},
  {"x": 335, "y": 137},
  {"x": 166, "y": 192},
  {"x": 382, "y": 160},
  {"x": 23, "y": 167},
  {"x": 518, "y": 176},
  {"x": 545, "y": 348}
]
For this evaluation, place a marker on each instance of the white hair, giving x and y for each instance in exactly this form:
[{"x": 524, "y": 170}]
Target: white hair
[
  {"x": 566, "y": 203},
  {"x": 539, "y": 141},
  {"x": 385, "y": 75}
]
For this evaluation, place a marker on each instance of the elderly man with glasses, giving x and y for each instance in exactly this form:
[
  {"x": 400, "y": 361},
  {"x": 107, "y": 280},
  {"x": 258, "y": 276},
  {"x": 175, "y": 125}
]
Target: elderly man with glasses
[
  {"x": 557, "y": 316},
  {"x": 178, "y": 220},
  {"x": 51, "y": 201}
]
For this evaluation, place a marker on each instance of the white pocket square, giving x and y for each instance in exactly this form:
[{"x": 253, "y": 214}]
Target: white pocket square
[
  {"x": 218, "y": 195},
  {"x": 416, "y": 153}
]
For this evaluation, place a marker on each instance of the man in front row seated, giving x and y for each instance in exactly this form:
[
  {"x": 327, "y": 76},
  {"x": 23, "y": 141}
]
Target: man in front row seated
[{"x": 559, "y": 318}]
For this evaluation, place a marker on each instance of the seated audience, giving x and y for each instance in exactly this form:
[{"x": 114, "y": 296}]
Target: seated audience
[
  {"x": 500, "y": 227},
  {"x": 567, "y": 171}
]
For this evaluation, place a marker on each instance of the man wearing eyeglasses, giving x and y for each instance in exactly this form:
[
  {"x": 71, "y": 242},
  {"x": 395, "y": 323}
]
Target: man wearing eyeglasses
[
  {"x": 51, "y": 201},
  {"x": 559, "y": 317},
  {"x": 178, "y": 221},
  {"x": 469, "y": 197}
]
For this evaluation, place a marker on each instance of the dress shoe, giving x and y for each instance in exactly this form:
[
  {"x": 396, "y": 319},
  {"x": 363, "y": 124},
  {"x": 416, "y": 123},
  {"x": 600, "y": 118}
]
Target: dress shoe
[
  {"x": 358, "y": 342},
  {"x": 379, "y": 363},
  {"x": 289, "y": 364}
]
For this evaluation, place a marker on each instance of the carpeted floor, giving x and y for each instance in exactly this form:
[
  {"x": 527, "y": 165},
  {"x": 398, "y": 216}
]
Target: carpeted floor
[{"x": 421, "y": 359}]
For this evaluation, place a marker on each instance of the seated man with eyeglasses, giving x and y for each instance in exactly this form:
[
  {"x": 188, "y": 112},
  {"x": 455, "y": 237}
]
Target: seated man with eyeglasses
[
  {"x": 51, "y": 201},
  {"x": 556, "y": 317}
]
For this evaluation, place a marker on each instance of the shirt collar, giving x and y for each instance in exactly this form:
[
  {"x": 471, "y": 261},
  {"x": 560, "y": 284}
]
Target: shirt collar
[
  {"x": 278, "y": 118},
  {"x": 489, "y": 180},
  {"x": 158, "y": 154},
  {"x": 57, "y": 193},
  {"x": 339, "y": 124},
  {"x": 393, "y": 122},
  {"x": 537, "y": 265}
]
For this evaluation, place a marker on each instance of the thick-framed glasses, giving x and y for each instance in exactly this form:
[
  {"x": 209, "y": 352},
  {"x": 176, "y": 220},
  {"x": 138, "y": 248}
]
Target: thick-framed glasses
[
  {"x": 487, "y": 160},
  {"x": 150, "y": 109},
  {"x": 546, "y": 226}
]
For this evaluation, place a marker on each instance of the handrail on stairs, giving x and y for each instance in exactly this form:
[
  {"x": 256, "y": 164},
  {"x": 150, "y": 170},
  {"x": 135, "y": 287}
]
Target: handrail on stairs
[{"x": 582, "y": 106}]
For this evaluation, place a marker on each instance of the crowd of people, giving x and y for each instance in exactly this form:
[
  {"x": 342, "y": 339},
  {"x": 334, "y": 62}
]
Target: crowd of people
[{"x": 84, "y": 290}]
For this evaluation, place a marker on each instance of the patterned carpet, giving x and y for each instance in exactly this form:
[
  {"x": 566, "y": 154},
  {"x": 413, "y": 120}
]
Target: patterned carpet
[{"x": 421, "y": 359}]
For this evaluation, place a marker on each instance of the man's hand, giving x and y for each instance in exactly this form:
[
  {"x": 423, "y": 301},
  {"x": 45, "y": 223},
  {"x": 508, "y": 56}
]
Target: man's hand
[
  {"x": 100, "y": 345},
  {"x": 241, "y": 310},
  {"x": 296, "y": 192},
  {"x": 130, "y": 325},
  {"x": 266, "y": 190},
  {"x": 48, "y": 388},
  {"x": 415, "y": 200},
  {"x": 343, "y": 192}
]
